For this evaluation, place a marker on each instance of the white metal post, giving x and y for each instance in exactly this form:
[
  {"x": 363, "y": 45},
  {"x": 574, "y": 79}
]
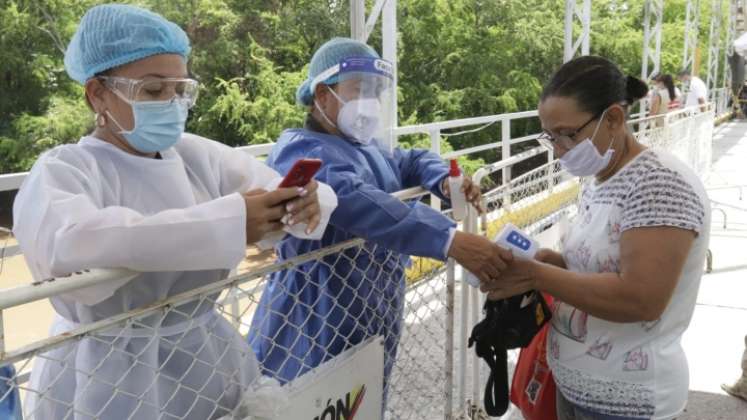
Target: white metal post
[
  {"x": 652, "y": 18},
  {"x": 389, "y": 29},
  {"x": 361, "y": 28},
  {"x": 373, "y": 17},
  {"x": 505, "y": 154},
  {"x": 476, "y": 309},
  {"x": 464, "y": 288},
  {"x": 436, "y": 148},
  {"x": 582, "y": 11},
  {"x": 358, "y": 19},
  {"x": 2, "y": 334},
  {"x": 729, "y": 47},
  {"x": 570, "y": 6},
  {"x": 692, "y": 16},
  {"x": 449, "y": 328},
  {"x": 714, "y": 47},
  {"x": 474, "y": 317},
  {"x": 586, "y": 26}
]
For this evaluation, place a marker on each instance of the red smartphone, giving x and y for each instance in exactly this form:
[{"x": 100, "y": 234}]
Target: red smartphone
[{"x": 301, "y": 173}]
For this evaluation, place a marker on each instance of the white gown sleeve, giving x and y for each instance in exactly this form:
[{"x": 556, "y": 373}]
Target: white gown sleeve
[
  {"x": 62, "y": 229},
  {"x": 242, "y": 172}
]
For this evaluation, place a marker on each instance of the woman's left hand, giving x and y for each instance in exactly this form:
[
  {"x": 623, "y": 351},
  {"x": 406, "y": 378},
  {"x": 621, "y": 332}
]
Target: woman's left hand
[
  {"x": 305, "y": 209},
  {"x": 471, "y": 192},
  {"x": 518, "y": 278}
]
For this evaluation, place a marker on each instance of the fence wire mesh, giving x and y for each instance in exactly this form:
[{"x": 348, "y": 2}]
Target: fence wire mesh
[
  {"x": 194, "y": 355},
  {"x": 686, "y": 134}
]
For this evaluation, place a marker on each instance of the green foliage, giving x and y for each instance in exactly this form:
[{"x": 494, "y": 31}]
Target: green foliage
[
  {"x": 65, "y": 120},
  {"x": 458, "y": 58},
  {"x": 254, "y": 108}
]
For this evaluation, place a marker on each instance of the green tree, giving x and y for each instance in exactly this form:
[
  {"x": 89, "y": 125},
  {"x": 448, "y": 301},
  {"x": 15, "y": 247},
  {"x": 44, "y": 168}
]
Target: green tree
[{"x": 457, "y": 59}]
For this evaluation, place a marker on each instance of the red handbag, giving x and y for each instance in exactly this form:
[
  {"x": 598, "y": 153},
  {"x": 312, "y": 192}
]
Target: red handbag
[{"x": 533, "y": 387}]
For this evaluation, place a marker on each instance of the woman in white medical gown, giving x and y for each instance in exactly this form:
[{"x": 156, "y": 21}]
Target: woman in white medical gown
[{"x": 139, "y": 193}]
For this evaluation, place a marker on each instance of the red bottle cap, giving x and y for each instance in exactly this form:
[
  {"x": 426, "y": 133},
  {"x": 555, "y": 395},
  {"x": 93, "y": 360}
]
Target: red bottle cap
[{"x": 454, "y": 169}]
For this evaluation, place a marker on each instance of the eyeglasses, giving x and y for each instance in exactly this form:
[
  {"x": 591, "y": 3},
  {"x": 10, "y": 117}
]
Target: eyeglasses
[
  {"x": 155, "y": 89},
  {"x": 566, "y": 141}
]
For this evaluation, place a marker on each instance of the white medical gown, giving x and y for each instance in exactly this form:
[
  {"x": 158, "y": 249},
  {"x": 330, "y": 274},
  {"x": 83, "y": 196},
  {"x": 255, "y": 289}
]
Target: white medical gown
[{"x": 179, "y": 220}]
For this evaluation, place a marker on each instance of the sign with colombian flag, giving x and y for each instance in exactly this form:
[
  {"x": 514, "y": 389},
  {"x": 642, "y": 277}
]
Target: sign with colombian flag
[{"x": 348, "y": 387}]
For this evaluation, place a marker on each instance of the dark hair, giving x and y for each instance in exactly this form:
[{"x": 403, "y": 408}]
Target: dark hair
[
  {"x": 667, "y": 81},
  {"x": 595, "y": 83}
]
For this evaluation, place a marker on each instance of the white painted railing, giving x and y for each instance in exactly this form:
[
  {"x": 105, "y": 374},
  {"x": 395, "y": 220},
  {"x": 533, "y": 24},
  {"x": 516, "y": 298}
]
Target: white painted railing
[{"x": 433, "y": 304}]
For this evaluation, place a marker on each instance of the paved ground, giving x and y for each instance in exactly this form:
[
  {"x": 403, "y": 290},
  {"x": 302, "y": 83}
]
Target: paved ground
[{"x": 715, "y": 340}]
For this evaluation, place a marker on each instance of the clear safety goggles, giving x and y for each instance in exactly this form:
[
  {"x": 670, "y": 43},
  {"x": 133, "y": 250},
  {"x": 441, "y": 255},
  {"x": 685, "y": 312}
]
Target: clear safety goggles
[
  {"x": 155, "y": 89},
  {"x": 366, "y": 80}
]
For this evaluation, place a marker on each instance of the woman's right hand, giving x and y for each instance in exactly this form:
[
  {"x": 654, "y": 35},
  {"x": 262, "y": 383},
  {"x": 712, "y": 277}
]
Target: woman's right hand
[
  {"x": 264, "y": 211},
  {"x": 481, "y": 257}
]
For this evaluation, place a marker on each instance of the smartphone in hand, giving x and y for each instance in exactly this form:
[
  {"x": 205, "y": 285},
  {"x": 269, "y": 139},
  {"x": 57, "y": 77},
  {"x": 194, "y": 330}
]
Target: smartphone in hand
[{"x": 301, "y": 173}]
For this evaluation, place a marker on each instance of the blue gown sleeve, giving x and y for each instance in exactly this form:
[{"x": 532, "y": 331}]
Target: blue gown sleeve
[
  {"x": 421, "y": 168},
  {"x": 371, "y": 213},
  {"x": 375, "y": 215}
]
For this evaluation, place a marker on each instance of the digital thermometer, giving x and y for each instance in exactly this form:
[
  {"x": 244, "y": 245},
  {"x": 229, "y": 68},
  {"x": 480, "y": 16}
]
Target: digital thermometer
[
  {"x": 521, "y": 244},
  {"x": 512, "y": 238}
]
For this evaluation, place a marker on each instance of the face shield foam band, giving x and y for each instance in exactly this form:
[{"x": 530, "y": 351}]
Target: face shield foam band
[{"x": 355, "y": 65}]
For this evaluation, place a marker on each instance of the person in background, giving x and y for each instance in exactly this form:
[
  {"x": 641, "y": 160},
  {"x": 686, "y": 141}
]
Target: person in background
[
  {"x": 312, "y": 312},
  {"x": 742, "y": 100},
  {"x": 139, "y": 193},
  {"x": 739, "y": 388},
  {"x": 666, "y": 82},
  {"x": 627, "y": 277},
  {"x": 697, "y": 92},
  {"x": 662, "y": 96}
]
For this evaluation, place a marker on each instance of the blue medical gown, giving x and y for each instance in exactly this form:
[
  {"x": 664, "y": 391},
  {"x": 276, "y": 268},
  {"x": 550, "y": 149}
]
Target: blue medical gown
[
  {"x": 312, "y": 312},
  {"x": 10, "y": 404}
]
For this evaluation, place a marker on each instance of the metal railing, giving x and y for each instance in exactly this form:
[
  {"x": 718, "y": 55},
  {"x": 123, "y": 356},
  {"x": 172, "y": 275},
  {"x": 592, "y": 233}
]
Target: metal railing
[{"x": 432, "y": 374}]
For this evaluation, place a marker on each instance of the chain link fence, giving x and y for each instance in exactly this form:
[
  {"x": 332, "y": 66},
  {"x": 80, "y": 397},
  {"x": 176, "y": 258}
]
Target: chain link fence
[
  {"x": 688, "y": 134},
  {"x": 194, "y": 355}
]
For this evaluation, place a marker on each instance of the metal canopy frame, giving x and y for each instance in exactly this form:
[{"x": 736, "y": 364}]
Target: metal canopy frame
[
  {"x": 581, "y": 11},
  {"x": 361, "y": 28},
  {"x": 714, "y": 47},
  {"x": 731, "y": 29},
  {"x": 692, "y": 16},
  {"x": 653, "y": 14}
]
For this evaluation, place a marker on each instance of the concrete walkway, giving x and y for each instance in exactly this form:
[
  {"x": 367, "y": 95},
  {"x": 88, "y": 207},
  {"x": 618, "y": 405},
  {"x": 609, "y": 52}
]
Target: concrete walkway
[
  {"x": 713, "y": 343},
  {"x": 715, "y": 340}
]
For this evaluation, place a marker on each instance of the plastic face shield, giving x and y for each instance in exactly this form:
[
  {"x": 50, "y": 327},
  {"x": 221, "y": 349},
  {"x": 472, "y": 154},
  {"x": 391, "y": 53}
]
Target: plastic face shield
[{"x": 367, "y": 83}]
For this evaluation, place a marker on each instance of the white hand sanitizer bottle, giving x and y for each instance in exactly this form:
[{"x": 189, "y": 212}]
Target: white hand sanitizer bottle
[{"x": 458, "y": 201}]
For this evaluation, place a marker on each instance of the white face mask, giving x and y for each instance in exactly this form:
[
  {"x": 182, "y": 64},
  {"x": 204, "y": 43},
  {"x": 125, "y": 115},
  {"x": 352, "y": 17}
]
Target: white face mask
[
  {"x": 358, "y": 119},
  {"x": 584, "y": 159}
]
